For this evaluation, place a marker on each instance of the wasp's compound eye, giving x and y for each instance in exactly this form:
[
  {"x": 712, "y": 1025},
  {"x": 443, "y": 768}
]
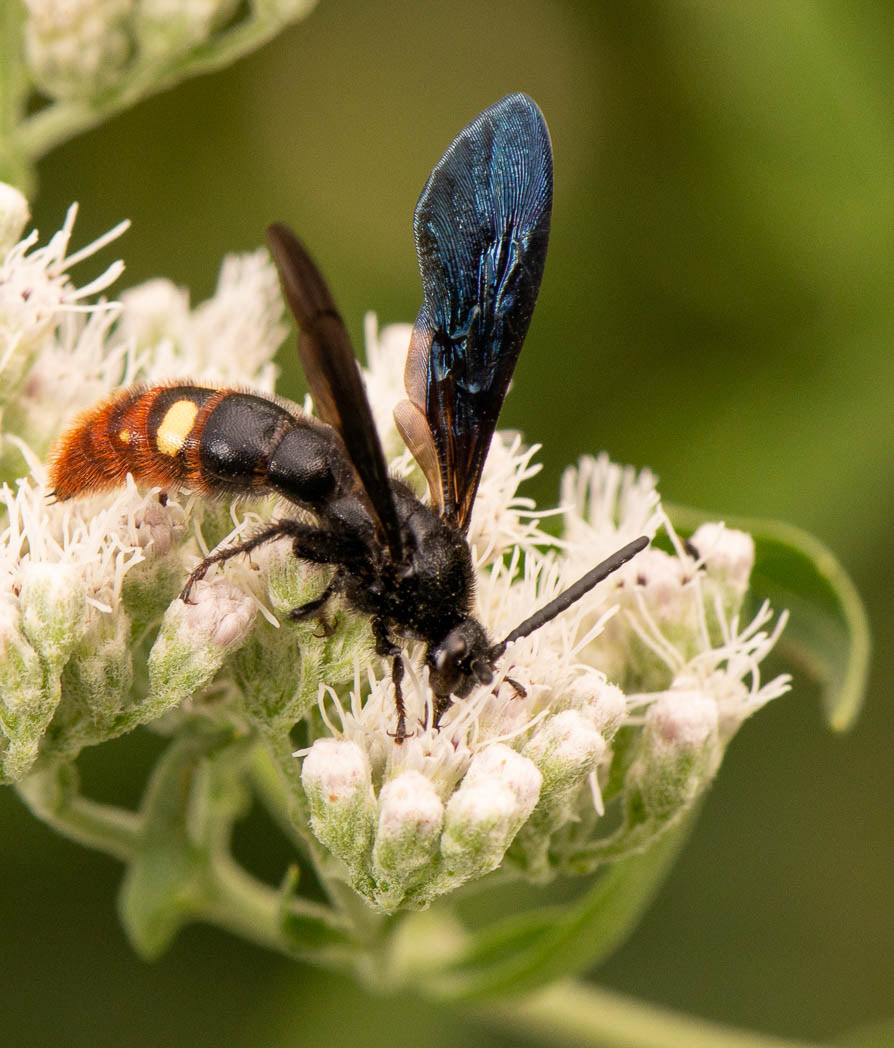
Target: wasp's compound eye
[{"x": 460, "y": 661}]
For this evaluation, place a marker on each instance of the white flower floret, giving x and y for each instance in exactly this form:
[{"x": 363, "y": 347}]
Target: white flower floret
[
  {"x": 605, "y": 506},
  {"x": 98, "y": 543},
  {"x": 383, "y": 376}
]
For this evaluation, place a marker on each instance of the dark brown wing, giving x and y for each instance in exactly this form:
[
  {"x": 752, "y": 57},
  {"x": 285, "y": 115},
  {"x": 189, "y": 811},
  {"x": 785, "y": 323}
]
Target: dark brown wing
[
  {"x": 482, "y": 228},
  {"x": 333, "y": 376}
]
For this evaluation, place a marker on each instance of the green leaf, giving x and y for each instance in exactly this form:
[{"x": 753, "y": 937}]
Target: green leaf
[
  {"x": 828, "y": 635},
  {"x": 524, "y": 952},
  {"x": 879, "y": 1035}
]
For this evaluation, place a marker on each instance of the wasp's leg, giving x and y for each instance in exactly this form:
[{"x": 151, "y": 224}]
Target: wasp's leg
[
  {"x": 442, "y": 705},
  {"x": 386, "y": 647},
  {"x": 269, "y": 534},
  {"x": 311, "y": 543},
  {"x": 312, "y": 606}
]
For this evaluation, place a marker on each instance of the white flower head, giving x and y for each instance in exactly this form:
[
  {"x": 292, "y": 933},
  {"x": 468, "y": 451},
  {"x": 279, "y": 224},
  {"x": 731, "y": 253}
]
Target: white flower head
[
  {"x": 229, "y": 340},
  {"x": 664, "y": 627},
  {"x": 44, "y": 314}
]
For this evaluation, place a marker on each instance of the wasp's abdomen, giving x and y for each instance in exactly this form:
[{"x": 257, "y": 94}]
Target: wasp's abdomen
[{"x": 214, "y": 441}]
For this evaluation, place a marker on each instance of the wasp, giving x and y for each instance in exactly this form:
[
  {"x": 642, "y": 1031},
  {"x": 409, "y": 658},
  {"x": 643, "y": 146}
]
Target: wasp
[{"x": 481, "y": 229}]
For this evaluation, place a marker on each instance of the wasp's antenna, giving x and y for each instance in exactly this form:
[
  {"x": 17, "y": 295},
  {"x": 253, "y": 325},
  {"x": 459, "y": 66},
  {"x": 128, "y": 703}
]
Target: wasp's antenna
[{"x": 574, "y": 593}]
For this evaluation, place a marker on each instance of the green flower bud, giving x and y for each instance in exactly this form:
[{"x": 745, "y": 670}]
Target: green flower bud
[
  {"x": 53, "y": 599},
  {"x": 77, "y": 48},
  {"x": 566, "y": 750},
  {"x": 194, "y": 640},
  {"x": 282, "y": 10},
  {"x": 498, "y": 793},
  {"x": 410, "y": 818},
  {"x": 26, "y": 707},
  {"x": 678, "y": 752},
  {"x": 164, "y": 27},
  {"x": 337, "y": 781},
  {"x": 14, "y": 215}
]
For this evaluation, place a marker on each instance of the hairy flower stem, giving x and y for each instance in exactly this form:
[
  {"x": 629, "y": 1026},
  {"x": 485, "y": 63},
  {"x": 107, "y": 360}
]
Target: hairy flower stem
[
  {"x": 62, "y": 120},
  {"x": 586, "y": 1016},
  {"x": 250, "y": 909},
  {"x": 271, "y": 766},
  {"x": 52, "y": 796},
  {"x": 13, "y": 92}
]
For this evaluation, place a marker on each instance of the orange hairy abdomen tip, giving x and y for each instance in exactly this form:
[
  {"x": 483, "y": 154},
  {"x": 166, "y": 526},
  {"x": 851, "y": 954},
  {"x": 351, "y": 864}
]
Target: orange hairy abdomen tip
[{"x": 152, "y": 433}]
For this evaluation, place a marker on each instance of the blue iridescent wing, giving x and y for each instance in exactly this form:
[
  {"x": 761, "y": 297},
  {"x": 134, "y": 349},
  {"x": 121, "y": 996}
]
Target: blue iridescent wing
[{"x": 482, "y": 228}]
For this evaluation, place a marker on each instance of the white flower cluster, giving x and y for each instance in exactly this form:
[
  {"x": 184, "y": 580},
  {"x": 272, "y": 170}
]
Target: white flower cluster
[
  {"x": 597, "y": 733},
  {"x": 82, "y": 581},
  {"x": 521, "y": 772},
  {"x": 79, "y": 49}
]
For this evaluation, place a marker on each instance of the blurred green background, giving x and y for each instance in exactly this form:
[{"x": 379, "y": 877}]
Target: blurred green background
[{"x": 718, "y": 304}]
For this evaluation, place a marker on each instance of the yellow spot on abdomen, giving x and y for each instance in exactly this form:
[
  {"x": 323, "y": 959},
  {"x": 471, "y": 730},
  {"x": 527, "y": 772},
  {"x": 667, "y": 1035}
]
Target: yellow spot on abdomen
[
  {"x": 124, "y": 436},
  {"x": 175, "y": 426}
]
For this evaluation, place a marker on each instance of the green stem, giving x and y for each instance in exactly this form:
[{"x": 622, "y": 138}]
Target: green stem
[
  {"x": 52, "y": 796},
  {"x": 270, "y": 790},
  {"x": 14, "y": 86},
  {"x": 254, "y": 911},
  {"x": 573, "y": 1013},
  {"x": 270, "y": 787},
  {"x": 58, "y": 122}
]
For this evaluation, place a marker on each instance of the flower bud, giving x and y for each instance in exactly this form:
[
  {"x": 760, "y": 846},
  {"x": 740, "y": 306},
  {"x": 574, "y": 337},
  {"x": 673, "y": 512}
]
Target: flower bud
[
  {"x": 194, "y": 640},
  {"x": 53, "y": 599},
  {"x": 98, "y": 685},
  {"x": 26, "y": 708},
  {"x": 172, "y": 26},
  {"x": 565, "y": 749},
  {"x": 679, "y": 751},
  {"x": 498, "y": 793},
  {"x": 337, "y": 781},
  {"x": 282, "y": 10},
  {"x": 727, "y": 557},
  {"x": 662, "y": 591},
  {"x": 14, "y": 215},
  {"x": 77, "y": 47},
  {"x": 410, "y": 818},
  {"x": 604, "y": 704}
]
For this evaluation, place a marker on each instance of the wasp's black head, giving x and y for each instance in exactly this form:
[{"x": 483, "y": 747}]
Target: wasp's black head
[{"x": 460, "y": 661}]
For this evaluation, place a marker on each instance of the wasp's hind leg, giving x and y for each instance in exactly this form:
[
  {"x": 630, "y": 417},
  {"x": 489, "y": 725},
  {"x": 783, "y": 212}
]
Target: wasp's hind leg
[{"x": 269, "y": 534}]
